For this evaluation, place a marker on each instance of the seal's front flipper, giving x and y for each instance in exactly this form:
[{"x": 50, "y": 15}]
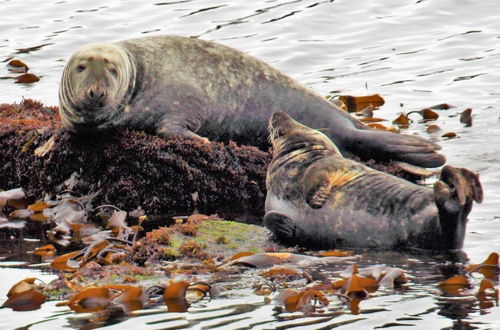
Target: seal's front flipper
[
  {"x": 385, "y": 146},
  {"x": 281, "y": 226},
  {"x": 454, "y": 194},
  {"x": 170, "y": 129},
  {"x": 321, "y": 179}
]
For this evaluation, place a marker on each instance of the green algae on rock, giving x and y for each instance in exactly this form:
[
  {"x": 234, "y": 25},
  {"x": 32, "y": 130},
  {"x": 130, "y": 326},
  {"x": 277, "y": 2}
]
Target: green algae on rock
[
  {"x": 198, "y": 238},
  {"x": 237, "y": 237}
]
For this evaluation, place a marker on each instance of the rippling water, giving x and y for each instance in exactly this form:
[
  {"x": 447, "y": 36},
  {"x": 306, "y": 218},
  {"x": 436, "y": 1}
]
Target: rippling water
[{"x": 414, "y": 53}]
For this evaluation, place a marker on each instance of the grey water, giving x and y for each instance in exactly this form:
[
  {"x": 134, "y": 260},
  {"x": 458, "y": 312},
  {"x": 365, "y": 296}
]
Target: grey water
[{"x": 414, "y": 53}]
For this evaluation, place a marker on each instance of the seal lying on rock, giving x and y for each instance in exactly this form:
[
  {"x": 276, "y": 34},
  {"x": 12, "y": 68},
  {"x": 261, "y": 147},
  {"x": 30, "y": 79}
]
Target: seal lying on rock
[
  {"x": 317, "y": 198},
  {"x": 183, "y": 86}
]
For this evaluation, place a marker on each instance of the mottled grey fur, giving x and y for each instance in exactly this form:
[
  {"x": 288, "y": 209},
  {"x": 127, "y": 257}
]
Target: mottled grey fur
[{"x": 184, "y": 86}]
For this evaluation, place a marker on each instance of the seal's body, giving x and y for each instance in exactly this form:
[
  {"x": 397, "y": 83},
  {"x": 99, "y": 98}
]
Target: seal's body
[
  {"x": 183, "y": 86},
  {"x": 317, "y": 198}
]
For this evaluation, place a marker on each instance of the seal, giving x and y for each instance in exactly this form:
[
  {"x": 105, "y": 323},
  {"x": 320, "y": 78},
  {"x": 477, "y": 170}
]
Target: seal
[
  {"x": 317, "y": 198},
  {"x": 198, "y": 89}
]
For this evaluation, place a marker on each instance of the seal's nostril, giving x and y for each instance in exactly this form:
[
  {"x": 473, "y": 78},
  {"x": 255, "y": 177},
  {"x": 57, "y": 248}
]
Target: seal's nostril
[{"x": 96, "y": 93}]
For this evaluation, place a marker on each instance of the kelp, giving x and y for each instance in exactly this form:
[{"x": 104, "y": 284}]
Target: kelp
[{"x": 92, "y": 285}]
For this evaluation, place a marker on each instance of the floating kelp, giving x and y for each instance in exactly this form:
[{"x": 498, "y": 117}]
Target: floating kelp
[
  {"x": 488, "y": 268},
  {"x": 466, "y": 117},
  {"x": 290, "y": 280},
  {"x": 19, "y": 67},
  {"x": 427, "y": 114},
  {"x": 359, "y": 103}
]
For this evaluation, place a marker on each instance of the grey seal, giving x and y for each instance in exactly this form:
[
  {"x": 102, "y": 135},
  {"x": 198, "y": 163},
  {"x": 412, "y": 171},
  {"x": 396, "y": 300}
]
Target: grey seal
[
  {"x": 317, "y": 198},
  {"x": 198, "y": 89}
]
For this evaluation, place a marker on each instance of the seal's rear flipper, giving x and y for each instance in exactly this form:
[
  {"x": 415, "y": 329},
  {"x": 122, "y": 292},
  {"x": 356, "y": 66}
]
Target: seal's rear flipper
[
  {"x": 385, "y": 146},
  {"x": 454, "y": 193},
  {"x": 282, "y": 227}
]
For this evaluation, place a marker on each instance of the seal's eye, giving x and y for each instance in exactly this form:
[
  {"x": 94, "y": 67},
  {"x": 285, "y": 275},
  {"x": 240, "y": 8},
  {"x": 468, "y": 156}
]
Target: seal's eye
[
  {"x": 80, "y": 68},
  {"x": 114, "y": 72}
]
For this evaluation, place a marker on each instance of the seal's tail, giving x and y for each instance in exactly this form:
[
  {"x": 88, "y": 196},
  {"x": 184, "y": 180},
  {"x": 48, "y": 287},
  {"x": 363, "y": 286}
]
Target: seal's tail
[{"x": 454, "y": 194}]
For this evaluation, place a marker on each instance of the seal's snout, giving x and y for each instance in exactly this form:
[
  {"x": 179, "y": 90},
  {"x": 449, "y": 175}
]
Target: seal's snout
[
  {"x": 96, "y": 93},
  {"x": 277, "y": 126},
  {"x": 281, "y": 124},
  {"x": 278, "y": 119}
]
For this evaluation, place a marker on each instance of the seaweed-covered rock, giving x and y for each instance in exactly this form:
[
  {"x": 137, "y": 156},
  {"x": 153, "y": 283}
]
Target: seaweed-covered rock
[
  {"x": 129, "y": 169},
  {"x": 200, "y": 237}
]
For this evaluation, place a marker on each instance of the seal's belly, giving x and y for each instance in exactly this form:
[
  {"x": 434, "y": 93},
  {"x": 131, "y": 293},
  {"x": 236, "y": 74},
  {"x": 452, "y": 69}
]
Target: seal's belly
[
  {"x": 352, "y": 228},
  {"x": 333, "y": 227}
]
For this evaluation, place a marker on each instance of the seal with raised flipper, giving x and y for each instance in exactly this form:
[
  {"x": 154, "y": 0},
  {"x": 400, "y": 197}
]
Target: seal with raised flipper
[
  {"x": 198, "y": 89},
  {"x": 317, "y": 198}
]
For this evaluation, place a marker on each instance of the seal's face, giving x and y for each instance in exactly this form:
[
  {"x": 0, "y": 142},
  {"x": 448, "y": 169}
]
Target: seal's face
[
  {"x": 95, "y": 82},
  {"x": 287, "y": 135}
]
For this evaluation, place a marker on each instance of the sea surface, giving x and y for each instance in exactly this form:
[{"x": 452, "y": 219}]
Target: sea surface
[{"x": 415, "y": 54}]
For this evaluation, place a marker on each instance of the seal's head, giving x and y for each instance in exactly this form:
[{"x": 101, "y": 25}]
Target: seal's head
[
  {"x": 288, "y": 135},
  {"x": 95, "y": 85}
]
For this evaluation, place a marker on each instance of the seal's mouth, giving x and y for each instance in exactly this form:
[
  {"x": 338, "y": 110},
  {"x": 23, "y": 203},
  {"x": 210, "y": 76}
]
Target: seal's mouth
[
  {"x": 90, "y": 105},
  {"x": 91, "y": 116},
  {"x": 92, "y": 126}
]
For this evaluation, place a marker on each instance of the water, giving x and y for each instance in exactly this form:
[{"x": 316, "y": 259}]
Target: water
[{"x": 414, "y": 53}]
